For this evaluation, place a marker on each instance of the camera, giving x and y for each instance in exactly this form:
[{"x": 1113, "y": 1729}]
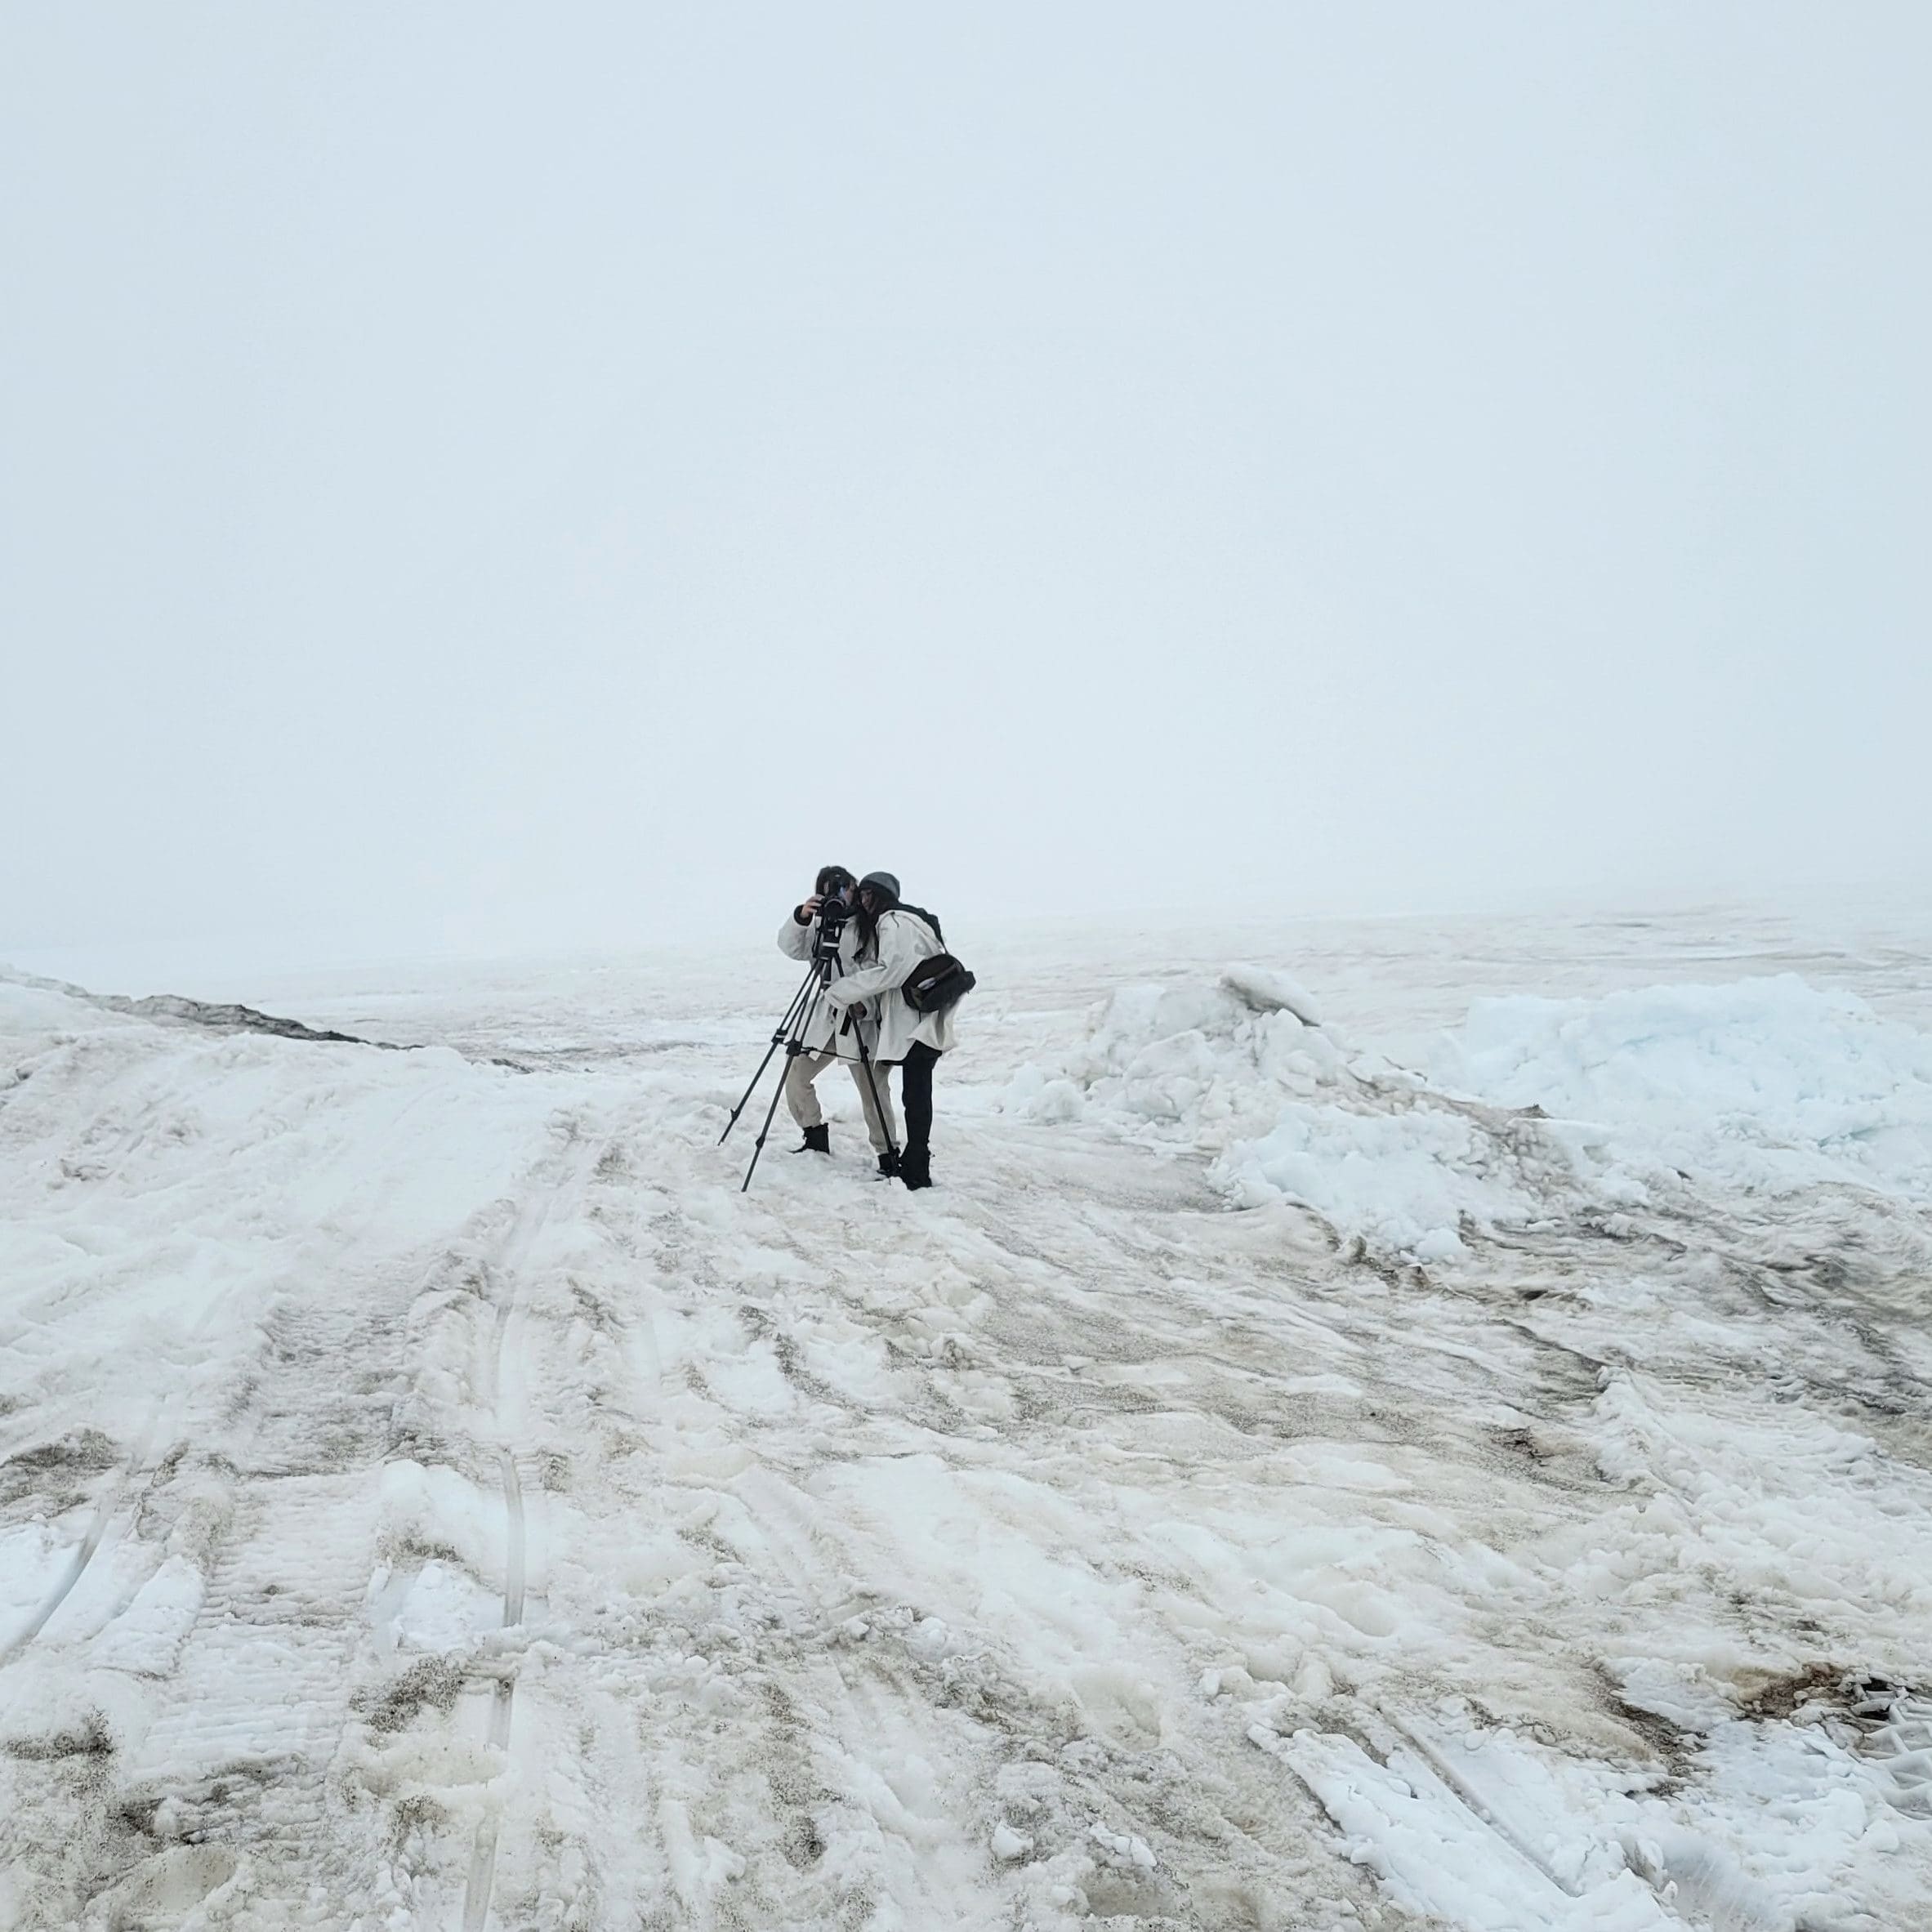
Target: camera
[{"x": 832, "y": 915}]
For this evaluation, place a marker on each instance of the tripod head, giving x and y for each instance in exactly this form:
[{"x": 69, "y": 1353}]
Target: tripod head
[{"x": 833, "y": 912}]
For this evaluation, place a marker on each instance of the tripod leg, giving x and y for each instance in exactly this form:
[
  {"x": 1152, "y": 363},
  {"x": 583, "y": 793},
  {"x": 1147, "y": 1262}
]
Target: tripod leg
[
  {"x": 793, "y": 1047},
  {"x": 777, "y": 1039},
  {"x": 865, "y": 1063}
]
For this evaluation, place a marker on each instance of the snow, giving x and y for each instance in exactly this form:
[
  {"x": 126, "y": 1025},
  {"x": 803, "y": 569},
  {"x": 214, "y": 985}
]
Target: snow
[
  {"x": 1766, "y": 1085},
  {"x": 1317, "y": 1459}
]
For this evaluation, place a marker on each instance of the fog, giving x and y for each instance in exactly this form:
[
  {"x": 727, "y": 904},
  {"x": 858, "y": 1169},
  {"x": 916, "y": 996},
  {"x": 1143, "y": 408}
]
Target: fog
[{"x": 509, "y": 478}]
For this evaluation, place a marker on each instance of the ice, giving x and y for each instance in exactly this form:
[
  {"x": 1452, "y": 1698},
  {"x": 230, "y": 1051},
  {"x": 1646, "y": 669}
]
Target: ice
[
  {"x": 146, "y": 1635},
  {"x": 1267, "y": 989},
  {"x": 1405, "y": 1182},
  {"x": 1531, "y": 1105},
  {"x": 32, "y": 1556},
  {"x": 1334, "y": 1457},
  {"x": 1238, "y": 1069},
  {"x": 1764, "y": 1083}
]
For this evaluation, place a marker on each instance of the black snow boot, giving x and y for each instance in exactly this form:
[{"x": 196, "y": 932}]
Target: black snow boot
[
  {"x": 915, "y": 1168},
  {"x": 816, "y": 1140},
  {"x": 888, "y": 1163}
]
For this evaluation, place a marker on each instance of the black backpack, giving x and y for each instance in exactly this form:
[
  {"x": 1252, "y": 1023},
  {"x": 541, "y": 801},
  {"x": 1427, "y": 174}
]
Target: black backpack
[{"x": 939, "y": 981}]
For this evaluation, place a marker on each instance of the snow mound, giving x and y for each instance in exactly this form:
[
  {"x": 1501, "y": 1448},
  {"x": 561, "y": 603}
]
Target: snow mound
[
  {"x": 1534, "y": 1110},
  {"x": 1768, "y": 1084},
  {"x": 1240, "y": 1071},
  {"x": 1405, "y": 1181},
  {"x": 1196, "y": 1063}
]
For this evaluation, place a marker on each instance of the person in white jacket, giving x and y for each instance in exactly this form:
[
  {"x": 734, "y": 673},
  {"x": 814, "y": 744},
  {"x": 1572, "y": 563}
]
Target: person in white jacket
[
  {"x": 822, "y": 1042},
  {"x": 892, "y": 939}
]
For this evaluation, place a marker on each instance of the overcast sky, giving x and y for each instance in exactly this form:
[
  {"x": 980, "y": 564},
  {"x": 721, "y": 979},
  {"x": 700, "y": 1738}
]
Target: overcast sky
[{"x": 542, "y": 475}]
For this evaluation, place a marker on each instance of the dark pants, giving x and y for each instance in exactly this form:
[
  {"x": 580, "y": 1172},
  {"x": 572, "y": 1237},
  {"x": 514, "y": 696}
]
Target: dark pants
[{"x": 915, "y": 1093}]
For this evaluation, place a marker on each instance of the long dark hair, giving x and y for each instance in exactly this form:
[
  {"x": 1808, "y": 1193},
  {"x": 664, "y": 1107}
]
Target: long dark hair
[{"x": 868, "y": 922}]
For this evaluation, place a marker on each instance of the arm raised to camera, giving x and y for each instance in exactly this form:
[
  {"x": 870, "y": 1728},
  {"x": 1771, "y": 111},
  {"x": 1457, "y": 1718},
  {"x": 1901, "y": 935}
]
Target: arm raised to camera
[{"x": 794, "y": 940}]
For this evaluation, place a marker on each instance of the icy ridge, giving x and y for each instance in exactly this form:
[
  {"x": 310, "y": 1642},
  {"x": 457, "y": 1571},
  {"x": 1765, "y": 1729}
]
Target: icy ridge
[{"x": 1532, "y": 1109}]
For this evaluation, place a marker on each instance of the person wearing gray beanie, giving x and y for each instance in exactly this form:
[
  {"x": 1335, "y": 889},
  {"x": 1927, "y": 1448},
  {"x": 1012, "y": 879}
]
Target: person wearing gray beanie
[{"x": 894, "y": 939}]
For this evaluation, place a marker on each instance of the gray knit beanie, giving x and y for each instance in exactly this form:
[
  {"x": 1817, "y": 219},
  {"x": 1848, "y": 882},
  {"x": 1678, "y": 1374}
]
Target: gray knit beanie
[{"x": 885, "y": 885}]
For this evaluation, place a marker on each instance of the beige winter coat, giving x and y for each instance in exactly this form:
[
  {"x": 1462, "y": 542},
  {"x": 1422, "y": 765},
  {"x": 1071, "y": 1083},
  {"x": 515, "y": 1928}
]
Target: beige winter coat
[
  {"x": 905, "y": 939},
  {"x": 796, "y": 940}
]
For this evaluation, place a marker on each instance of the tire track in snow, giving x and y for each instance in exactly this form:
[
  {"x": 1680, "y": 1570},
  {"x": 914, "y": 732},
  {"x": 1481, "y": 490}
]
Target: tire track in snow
[
  {"x": 518, "y": 1242},
  {"x": 1520, "y": 1842},
  {"x": 245, "y": 1746},
  {"x": 77, "y": 1567},
  {"x": 293, "y": 1812},
  {"x": 142, "y": 1463},
  {"x": 482, "y": 1857}
]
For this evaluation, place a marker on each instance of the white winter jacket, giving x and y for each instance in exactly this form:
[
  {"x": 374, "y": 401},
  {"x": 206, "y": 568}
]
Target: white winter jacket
[
  {"x": 905, "y": 939},
  {"x": 796, "y": 941}
]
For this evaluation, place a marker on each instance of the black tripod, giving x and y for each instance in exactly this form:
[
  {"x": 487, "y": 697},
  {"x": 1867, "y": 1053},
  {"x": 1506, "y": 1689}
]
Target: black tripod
[{"x": 790, "y": 1033}]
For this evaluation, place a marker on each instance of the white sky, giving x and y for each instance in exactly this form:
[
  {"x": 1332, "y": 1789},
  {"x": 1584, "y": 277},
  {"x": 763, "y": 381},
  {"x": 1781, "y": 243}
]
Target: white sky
[{"x": 542, "y": 475}]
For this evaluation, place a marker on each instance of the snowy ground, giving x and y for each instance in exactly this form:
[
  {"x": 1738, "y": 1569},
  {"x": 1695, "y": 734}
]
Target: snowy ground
[{"x": 1407, "y": 1472}]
